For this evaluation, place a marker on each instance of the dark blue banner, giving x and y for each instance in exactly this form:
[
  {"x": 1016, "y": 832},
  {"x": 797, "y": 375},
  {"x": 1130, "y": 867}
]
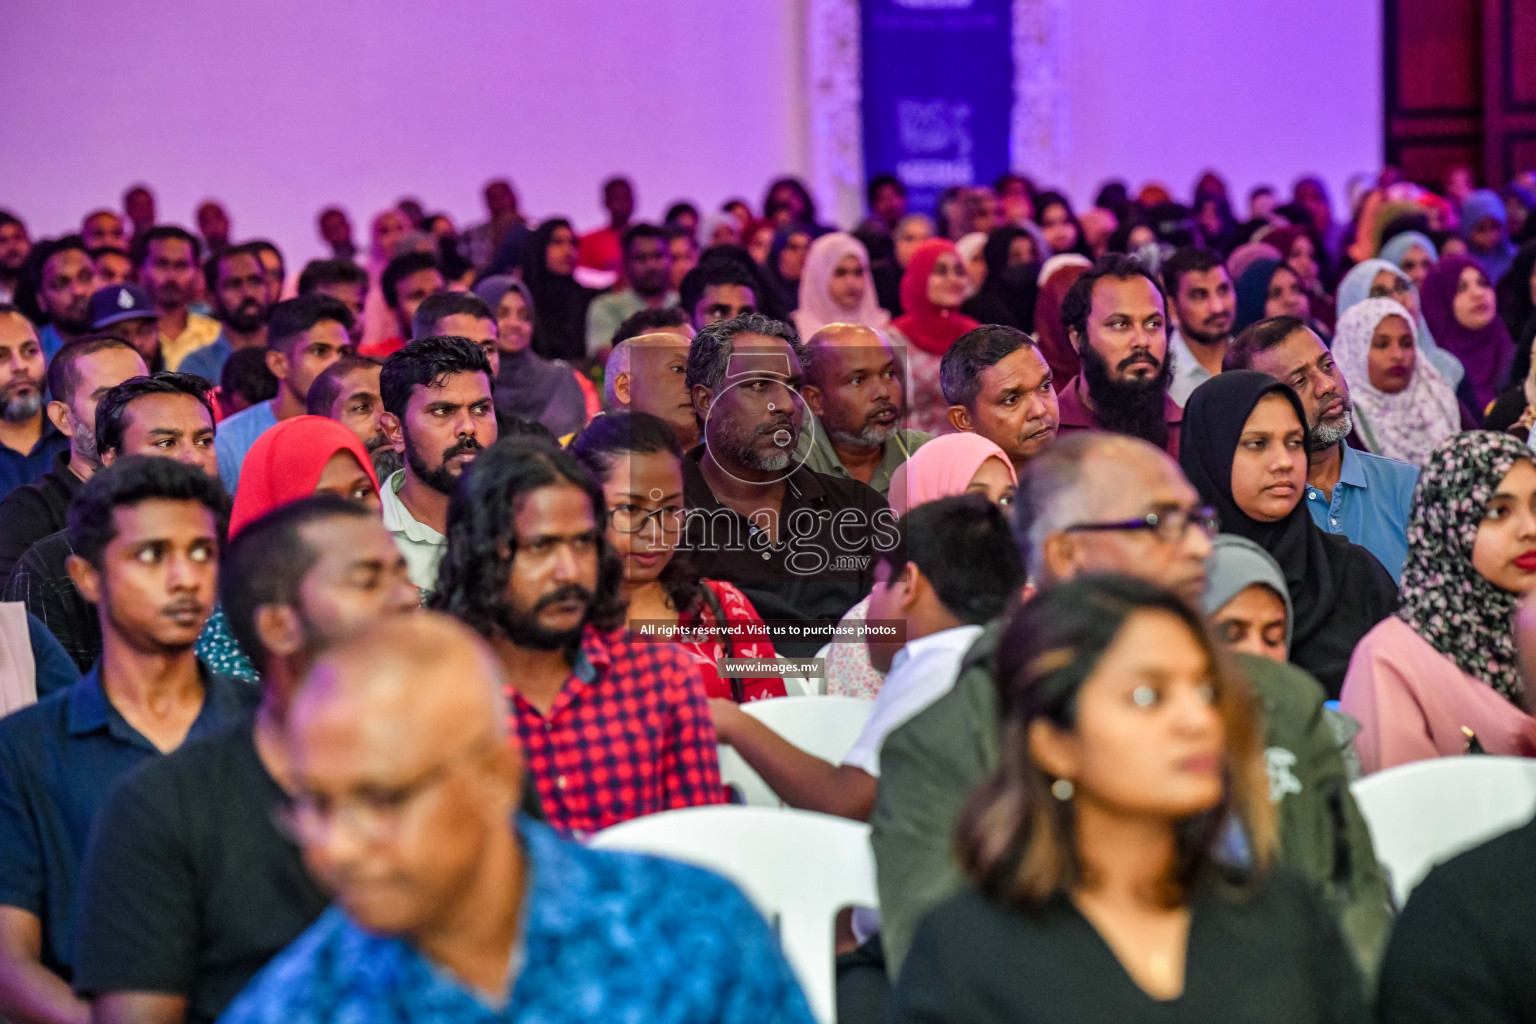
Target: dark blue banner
[{"x": 938, "y": 92}]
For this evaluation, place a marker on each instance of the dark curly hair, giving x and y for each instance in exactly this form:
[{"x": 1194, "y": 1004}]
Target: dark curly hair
[{"x": 482, "y": 537}]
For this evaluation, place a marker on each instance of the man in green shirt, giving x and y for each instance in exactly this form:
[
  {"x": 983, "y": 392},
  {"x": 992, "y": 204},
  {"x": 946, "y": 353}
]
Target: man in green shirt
[
  {"x": 854, "y": 389},
  {"x": 1097, "y": 503}
]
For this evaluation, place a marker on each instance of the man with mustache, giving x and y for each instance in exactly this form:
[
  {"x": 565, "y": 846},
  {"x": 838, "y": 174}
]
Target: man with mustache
[
  {"x": 439, "y": 414},
  {"x": 799, "y": 543},
  {"x": 1116, "y": 317},
  {"x": 854, "y": 390},
  {"x": 63, "y": 279},
  {"x": 1350, "y": 492},
  {"x": 999, "y": 385},
  {"x": 304, "y": 336},
  {"x": 348, "y": 392},
  {"x": 28, "y": 442},
  {"x": 147, "y": 535},
  {"x": 237, "y": 283},
  {"x": 166, "y": 259},
  {"x": 1204, "y": 310},
  {"x": 613, "y": 725}
]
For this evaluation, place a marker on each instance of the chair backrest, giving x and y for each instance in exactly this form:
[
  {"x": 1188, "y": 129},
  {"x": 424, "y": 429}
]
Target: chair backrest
[
  {"x": 1425, "y": 813},
  {"x": 824, "y": 726},
  {"x": 797, "y": 867}
]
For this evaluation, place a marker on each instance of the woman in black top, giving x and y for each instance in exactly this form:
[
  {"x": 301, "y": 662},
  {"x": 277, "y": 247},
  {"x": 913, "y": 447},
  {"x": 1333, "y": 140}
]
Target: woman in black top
[{"x": 1122, "y": 853}]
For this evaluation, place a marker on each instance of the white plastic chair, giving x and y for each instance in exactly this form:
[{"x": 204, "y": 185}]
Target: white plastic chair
[
  {"x": 824, "y": 726},
  {"x": 797, "y": 867},
  {"x": 1425, "y": 813}
]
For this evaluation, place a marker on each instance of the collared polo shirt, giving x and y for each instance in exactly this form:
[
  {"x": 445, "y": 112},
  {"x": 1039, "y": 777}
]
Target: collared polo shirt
[
  {"x": 200, "y": 331},
  {"x": 1188, "y": 374},
  {"x": 815, "y": 450},
  {"x": 1370, "y": 506},
  {"x": 421, "y": 546},
  {"x": 18, "y": 468},
  {"x": 1077, "y": 416},
  {"x": 605, "y": 937},
  {"x": 59, "y": 760},
  {"x": 823, "y": 561}
]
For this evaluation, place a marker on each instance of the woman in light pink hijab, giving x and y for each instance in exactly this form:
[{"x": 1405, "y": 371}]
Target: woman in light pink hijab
[
  {"x": 946, "y": 466},
  {"x": 836, "y": 286}
]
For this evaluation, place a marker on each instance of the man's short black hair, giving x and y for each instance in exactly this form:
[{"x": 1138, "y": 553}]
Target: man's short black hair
[
  {"x": 635, "y": 232},
  {"x": 246, "y": 374},
  {"x": 881, "y": 181},
  {"x": 648, "y": 321},
  {"x": 262, "y": 245},
  {"x": 402, "y": 267},
  {"x": 212, "y": 263},
  {"x": 129, "y": 481},
  {"x": 112, "y": 410},
  {"x": 327, "y": 387},
  {"x": 435, "y": 308},
  {"x": 292, "y": 317},
  {"x": 710, "y": 354},
  {"x": 46, "y": 250},
  {"x": 1188, "y": 260},
  {"x": 317, "y": 273},
  {"x": 972, "y": 352},
  {"x": 676, "y": 210},
  {"x": 1259, "y": 337},
  {"x": 424, "y": 362},
  {"x": 7, "y": 218},
  {"x": 963, "y": 546},
  {"x": 720, "y": 265},
  {"x": 159, "y": 233},
  {"x": 267, "y": 561},
  {"x": 62, "y": 378},
  {"x": 1078, "y": 302}
]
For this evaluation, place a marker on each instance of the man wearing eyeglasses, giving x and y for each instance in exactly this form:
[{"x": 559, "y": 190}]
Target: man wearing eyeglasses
[
  {"x": 1103, "y": 503},
  {"x": 189, "y": 888},
  {"x": 451, "y": 908}
]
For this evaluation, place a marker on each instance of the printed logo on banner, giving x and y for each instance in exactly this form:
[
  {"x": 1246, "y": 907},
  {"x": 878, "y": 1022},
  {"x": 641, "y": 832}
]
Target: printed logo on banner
[{"x": 940, "y": 131}]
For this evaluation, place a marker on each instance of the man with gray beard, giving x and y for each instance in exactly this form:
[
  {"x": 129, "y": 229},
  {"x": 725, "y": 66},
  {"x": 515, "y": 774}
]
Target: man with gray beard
[
  {"x": 853, "y": 389},
  {"x": 1350, "y": 492},
  {"x": 81, "y": 372},
  {"x": 799, "y": 543},
  {"x": 28, "y": 442}
]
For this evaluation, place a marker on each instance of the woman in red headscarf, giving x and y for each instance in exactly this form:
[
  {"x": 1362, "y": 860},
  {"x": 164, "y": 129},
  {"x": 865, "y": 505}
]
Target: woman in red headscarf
[
  {"x": 932, "y": 290},
  {"x": 298, "y": 457}
]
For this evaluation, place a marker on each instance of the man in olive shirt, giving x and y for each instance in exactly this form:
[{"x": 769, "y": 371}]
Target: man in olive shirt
[{"x": 1114, "y": 504}]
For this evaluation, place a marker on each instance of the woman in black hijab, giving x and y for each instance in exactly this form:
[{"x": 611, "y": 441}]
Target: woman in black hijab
[
  {"x": 559, "y": 300},
  {"x": 1007, "y": 296},
  {"x": 1244, "y": 449}
]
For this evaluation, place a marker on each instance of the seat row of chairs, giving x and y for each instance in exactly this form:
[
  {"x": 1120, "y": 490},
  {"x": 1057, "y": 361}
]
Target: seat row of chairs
[{"x": 800, "y": 869}]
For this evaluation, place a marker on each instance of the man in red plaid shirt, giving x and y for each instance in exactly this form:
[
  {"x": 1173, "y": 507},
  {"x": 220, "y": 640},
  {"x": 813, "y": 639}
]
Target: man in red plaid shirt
[{"x": 611, "y": 728}]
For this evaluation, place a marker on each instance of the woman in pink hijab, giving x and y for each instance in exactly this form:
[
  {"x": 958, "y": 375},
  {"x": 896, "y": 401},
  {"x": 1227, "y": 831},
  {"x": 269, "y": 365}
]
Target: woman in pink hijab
[
  {"x": 944, "y": 467},
  {"x": 836, "y": 286}
]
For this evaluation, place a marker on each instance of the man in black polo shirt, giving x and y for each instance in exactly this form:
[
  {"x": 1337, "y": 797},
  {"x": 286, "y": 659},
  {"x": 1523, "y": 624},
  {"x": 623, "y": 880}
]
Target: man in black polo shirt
[
  {"x": 79, "y": 375},
  {"x": 798, "y": 543},
  {"x": 187, "y": 884},
  {"x": 167, "y": 415},
  {"x": 146, "y": 534}
]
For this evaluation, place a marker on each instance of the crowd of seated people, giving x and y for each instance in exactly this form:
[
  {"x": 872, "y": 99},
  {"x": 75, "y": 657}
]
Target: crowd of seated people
[{"x": 340, "y": 609}]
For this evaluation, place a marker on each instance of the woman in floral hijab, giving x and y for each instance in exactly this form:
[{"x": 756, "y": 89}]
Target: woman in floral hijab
[{"x": 1440, "y": 677}]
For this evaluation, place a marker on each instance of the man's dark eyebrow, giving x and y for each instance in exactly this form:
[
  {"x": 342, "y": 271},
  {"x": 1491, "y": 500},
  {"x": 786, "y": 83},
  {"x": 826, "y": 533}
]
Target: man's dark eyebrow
[
  {"x": 168, "y": 431},
  {"x": 354, "y": 396}
]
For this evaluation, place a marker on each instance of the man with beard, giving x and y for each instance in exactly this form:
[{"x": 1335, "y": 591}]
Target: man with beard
[
  {"x": 166, "y": 257},
  {"x": 1117, "y": 319},
  {"x": 854, "y": 391},
  {"x": 304, "y": 336},
  {"x": 63, "y": 280},
  {"x": 999, "y": 385},
  {"x": 103, "y": 229},
  {"x": 28, "y": 442},
  {"x": 348, "y": 392},
  {"x": 147, "y": 534},
  {"x": 81, "y": 373},
  {"x": 612, "y": 727},
  {"x": 1350, "y": 492},
  {"x": 648, "y": 271},
  {"x": 1204, "y": 310},
  {"x": 439, "y": 414},
  {"x": 124, "y": 311},
  {"x": 799, "y": 543},
  {"x": 15, "y": 244},
  {"x": 237, "y": 283}
]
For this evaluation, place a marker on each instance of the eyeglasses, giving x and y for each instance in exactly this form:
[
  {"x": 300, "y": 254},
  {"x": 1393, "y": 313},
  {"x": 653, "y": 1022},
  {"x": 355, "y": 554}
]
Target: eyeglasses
[
  {"x": 372, "y": 813},
  {"x": 1169, "y": 526},
  {"x": 633, "y": 518}
]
